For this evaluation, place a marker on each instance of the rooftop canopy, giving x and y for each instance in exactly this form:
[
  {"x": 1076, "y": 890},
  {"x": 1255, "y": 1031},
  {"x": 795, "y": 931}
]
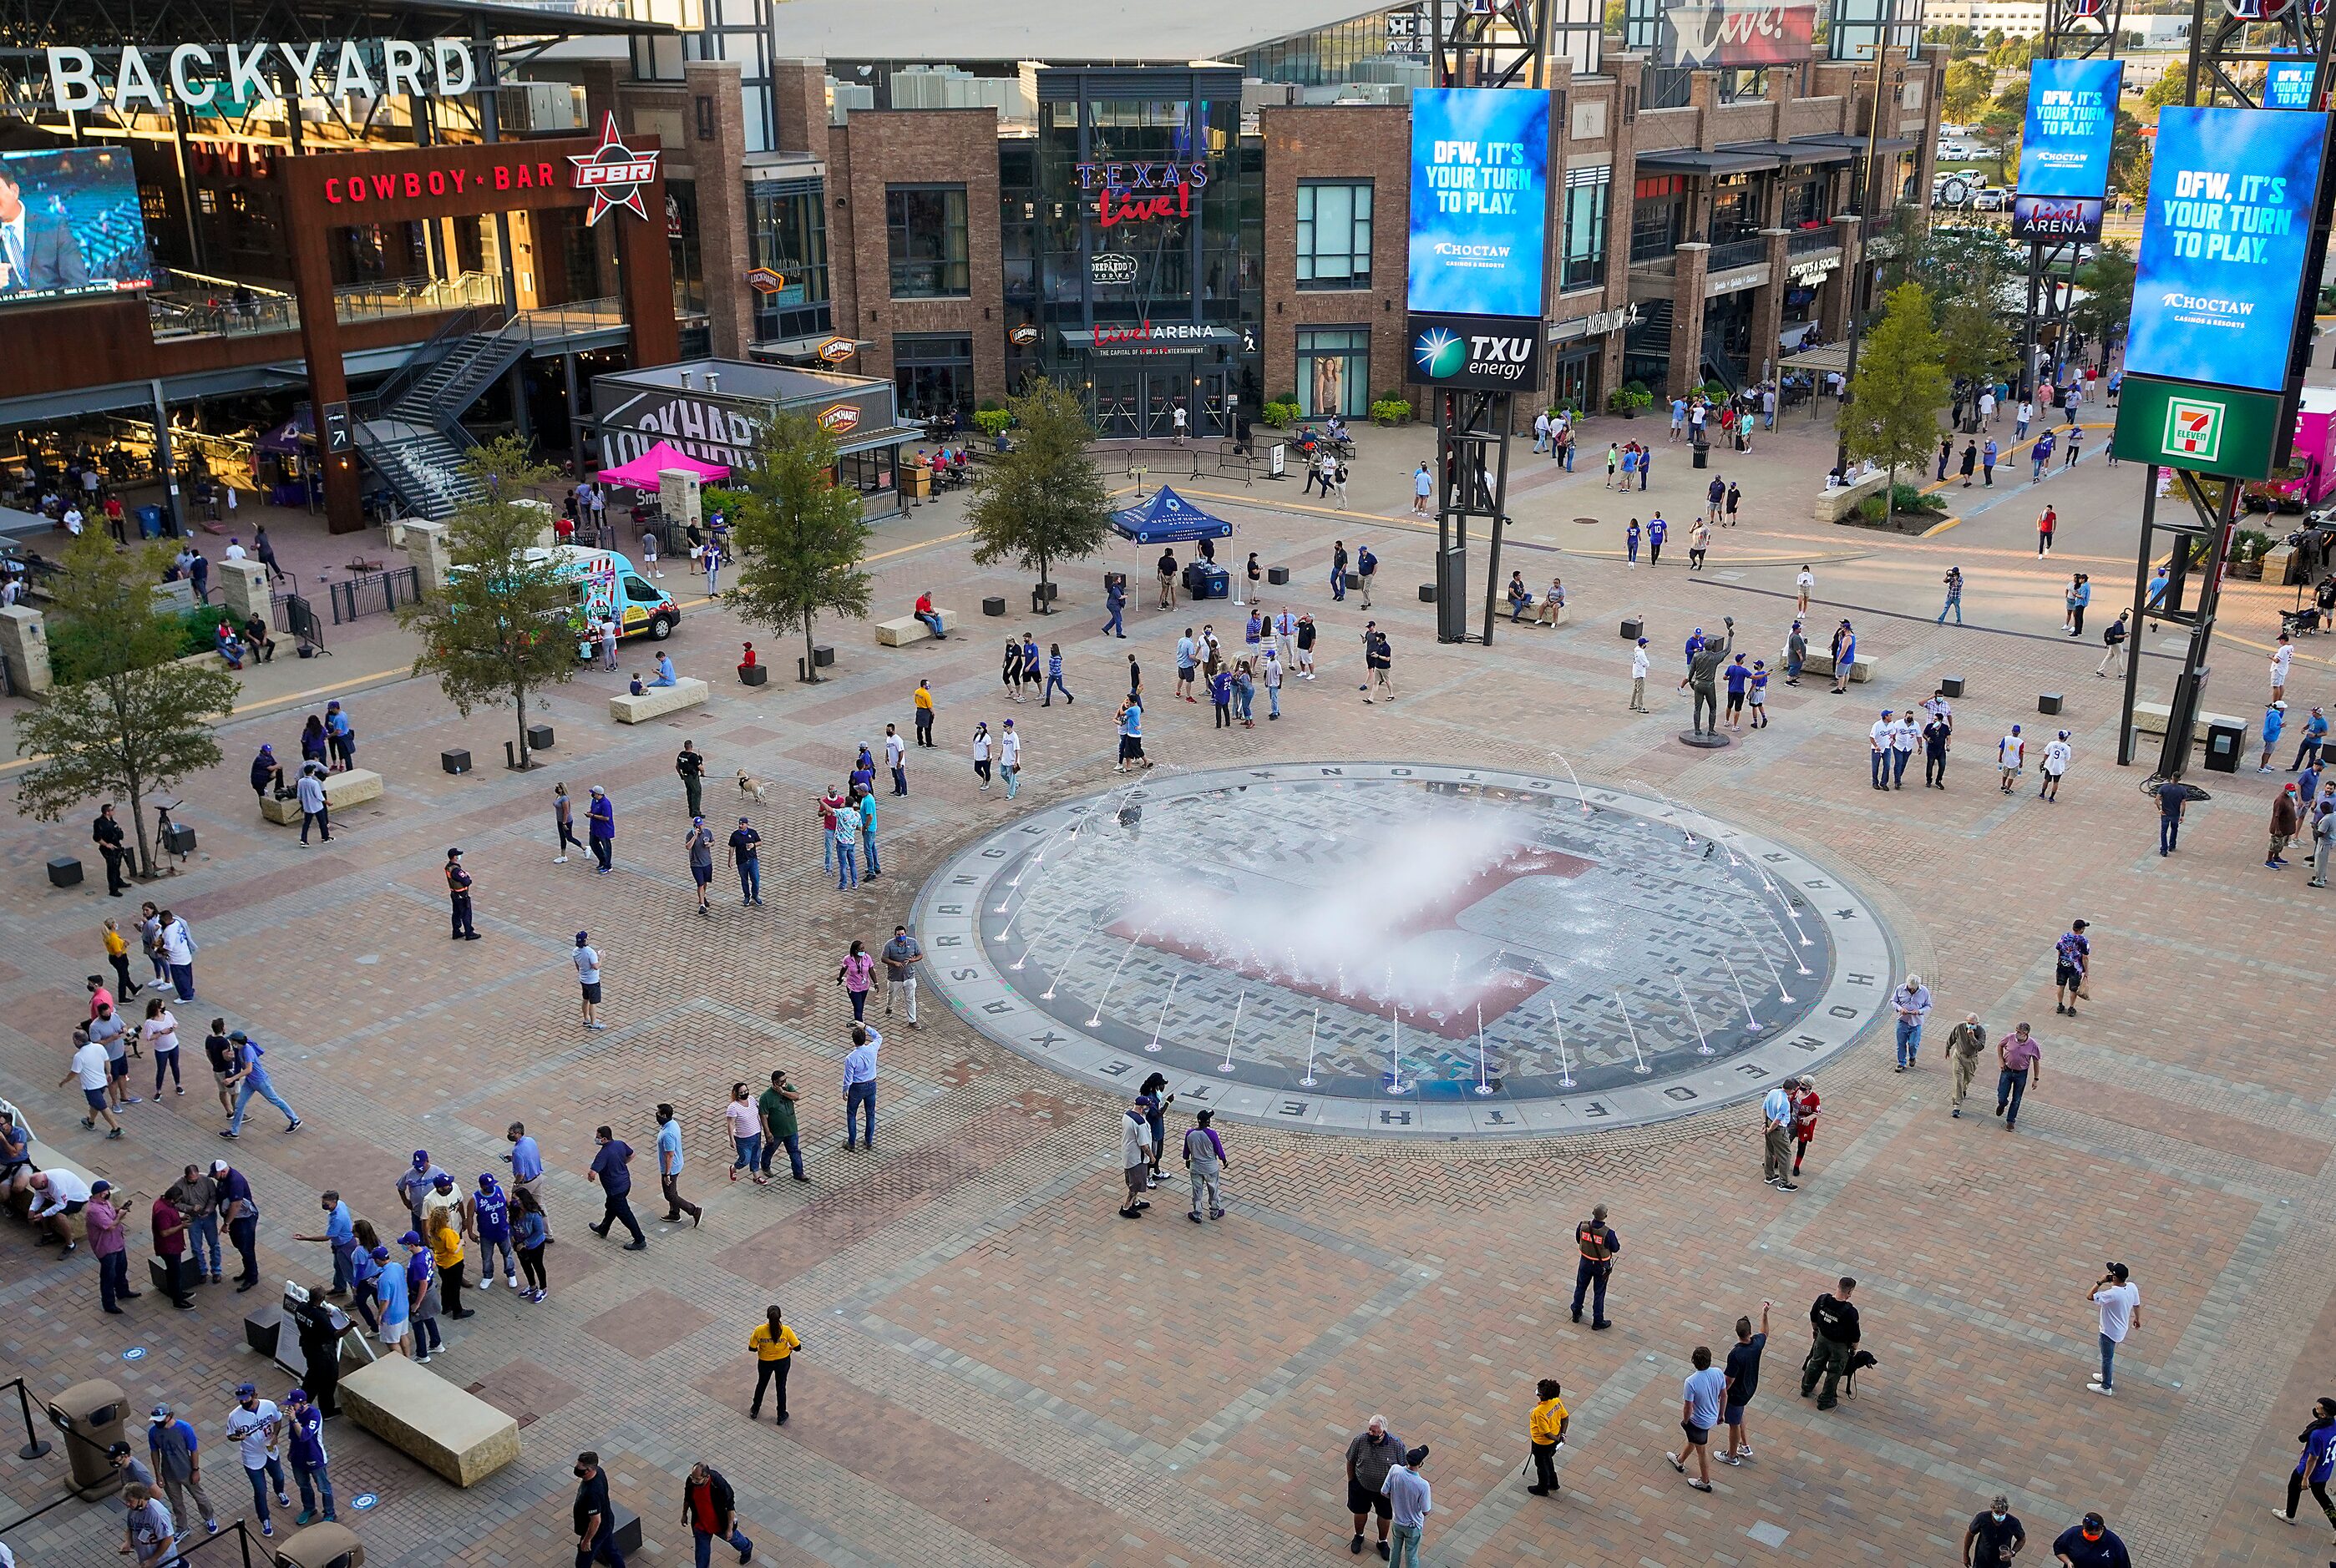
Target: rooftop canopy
[{"x": 1065, "y": 32}]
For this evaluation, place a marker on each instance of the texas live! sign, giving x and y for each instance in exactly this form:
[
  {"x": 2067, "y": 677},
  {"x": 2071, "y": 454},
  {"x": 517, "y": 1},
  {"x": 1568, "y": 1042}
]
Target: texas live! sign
[{"x": 197, "y": 75}]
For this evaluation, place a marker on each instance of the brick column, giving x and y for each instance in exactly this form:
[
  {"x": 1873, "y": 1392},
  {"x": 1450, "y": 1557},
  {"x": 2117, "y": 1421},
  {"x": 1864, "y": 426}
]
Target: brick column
[
  {"x": 799, "y": 87},
  {"x": 721, "y": 202},
  {"x": 1833, "y": 299},
  {"x": 1768, "y": 309},
  {"x": 1688, "y": 272}
]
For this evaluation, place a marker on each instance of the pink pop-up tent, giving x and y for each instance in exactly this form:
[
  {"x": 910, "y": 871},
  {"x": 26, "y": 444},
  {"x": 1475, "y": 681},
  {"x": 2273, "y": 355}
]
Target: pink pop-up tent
[{"x": 641, "y": 473}]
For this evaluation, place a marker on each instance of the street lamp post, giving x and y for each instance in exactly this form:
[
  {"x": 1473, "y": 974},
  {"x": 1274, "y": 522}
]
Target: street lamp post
[{"x": 1858, "y": 284}]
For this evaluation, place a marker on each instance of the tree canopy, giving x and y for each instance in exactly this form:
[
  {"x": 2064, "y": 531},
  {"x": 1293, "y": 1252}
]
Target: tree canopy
[
  {"x": 510, "y": 621},
  {"x": 138, "y": 720},
  {"x": 1044, "y": 500},
  {"x": 800, "y": 535},
  {"x": 1892, "y": 417}
]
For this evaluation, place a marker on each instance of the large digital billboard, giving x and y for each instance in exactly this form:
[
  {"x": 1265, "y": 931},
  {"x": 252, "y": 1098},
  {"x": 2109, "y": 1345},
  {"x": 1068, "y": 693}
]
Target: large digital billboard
[
  {"x": 2220, "y": 275},
  {"x": 1726, "y": 35},
  {"x": 69, "y": 225},
  {"x": 2287, "y": 84},
  {"x": 1479, "y": 200},
  {"x": 2064, "y": 152}
]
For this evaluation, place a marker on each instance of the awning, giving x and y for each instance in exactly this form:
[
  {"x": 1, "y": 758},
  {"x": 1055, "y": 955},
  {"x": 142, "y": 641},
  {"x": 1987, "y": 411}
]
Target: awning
[
  {"x": 882, "y": 436},
  {"x": 1796, "y": 152},
  {"x": 1164, "y": 516},
  {"x": 642, "y": 472},
  {"x": 1832, "y": 356},
  {"x": 1856, "y": 144},
  {"x": 1724, "y": 160}
]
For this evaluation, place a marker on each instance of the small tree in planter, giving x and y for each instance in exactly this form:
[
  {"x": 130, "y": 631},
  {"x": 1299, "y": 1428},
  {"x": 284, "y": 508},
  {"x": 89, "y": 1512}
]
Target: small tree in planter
[
  {"x": 800, "y": 535},
  {"x": 1046, "y": 500},
  {"x": 1892, "y": 417}
]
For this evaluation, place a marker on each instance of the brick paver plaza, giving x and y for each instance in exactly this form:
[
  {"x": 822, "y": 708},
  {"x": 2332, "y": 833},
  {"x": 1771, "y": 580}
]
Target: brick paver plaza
[{"x": 997, "y": 1370}]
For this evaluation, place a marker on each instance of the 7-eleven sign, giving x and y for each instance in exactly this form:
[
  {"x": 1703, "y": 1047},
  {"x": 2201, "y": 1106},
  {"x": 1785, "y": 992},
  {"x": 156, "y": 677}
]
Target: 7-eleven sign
[{"x": 2193, "y": 428}]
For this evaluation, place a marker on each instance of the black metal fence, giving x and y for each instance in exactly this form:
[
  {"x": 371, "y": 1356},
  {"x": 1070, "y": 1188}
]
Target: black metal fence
[
  {"x": 295, "y": 616},
  {"x": 374, "y": 594}
]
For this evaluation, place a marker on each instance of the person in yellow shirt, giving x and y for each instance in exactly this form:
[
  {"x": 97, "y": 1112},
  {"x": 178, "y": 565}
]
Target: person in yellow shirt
[
  {"x": 117, "y": 954},
  {"x": 446, "y": 1251},
  {"x": 774, "y": 1346},
  {"x": 924, "y": 714},
  {"x": 1547, "y": 1431}
]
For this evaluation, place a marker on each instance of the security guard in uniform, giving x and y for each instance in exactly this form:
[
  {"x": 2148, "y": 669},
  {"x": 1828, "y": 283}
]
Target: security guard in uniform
[
  {"x": 1600, "y": 1248},
  {"x": 1834, "y": 1323},
  {"x": 458, "y": 893}
]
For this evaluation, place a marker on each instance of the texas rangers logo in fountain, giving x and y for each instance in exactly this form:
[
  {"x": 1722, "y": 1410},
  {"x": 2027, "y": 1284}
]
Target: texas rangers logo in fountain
[{"x": 615, "y": 174}]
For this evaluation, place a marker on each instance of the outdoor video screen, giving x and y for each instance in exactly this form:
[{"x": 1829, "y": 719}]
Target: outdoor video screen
[
  {"x": 1479, "y": 200},
  {"x": 69, "y": 225},
  {"x": 1729, "y": 34},
  {"x": 2064, "y": 152},
  {"x": 2219, "y": 277},
  {"x": 2287, "y": 84}
]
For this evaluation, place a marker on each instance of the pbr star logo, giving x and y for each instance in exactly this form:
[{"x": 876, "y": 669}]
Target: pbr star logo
[{"x": 614, "y": 174}]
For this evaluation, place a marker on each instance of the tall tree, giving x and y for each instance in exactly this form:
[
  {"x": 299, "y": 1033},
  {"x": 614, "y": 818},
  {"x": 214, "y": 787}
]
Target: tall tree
[
  {"x": 2106, "y": 281},
  {"x": 133, "y": 720},
  {"x": 1970, "y": 84},
  {"x": 1892, "y": 417},
  {"x": 1959, "y": 261},
  {"x": 511, "y": 618},
  {"x": 800, "y": 535},
  {"x": 1974, "y": 339},
  {"x": 2129, "y": 157},
  {"x": 1045, "y": 501}
]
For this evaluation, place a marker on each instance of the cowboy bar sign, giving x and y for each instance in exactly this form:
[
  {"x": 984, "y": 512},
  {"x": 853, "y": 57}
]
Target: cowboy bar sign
[{"x": 196, "y": 74}]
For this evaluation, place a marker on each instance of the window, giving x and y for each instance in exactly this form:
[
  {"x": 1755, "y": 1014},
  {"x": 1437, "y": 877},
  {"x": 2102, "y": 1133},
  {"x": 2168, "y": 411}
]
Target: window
[
  {"x": 1334, "y": 234},
  {"x": 1334, "y": 370},
  {"x": 1655, "y": 217},
  {"x": 932, "y": 373},
  {"x": 925, "y": 229},
  {"x": 1588, "y": 193},
  {"x": 786, "y": 231}
]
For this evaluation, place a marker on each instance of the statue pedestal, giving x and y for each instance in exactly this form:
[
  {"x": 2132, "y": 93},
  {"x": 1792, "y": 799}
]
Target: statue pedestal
[{"x": 1703, "y": 743}]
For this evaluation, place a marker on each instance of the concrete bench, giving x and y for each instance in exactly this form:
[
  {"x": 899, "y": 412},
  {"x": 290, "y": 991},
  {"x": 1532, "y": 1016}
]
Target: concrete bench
[
  {"x": 908, "y": 629},
  {"x": 46, "y": 1157},
  {"x": 2150, "y": 719},
  {"x": 351, "y": 787},
  {"x": 686, "y": 691},
  {"x": 1860, "y": 669},
  {"x": 415, "y": 1411},
  {"x": 1834, "y": 505}
]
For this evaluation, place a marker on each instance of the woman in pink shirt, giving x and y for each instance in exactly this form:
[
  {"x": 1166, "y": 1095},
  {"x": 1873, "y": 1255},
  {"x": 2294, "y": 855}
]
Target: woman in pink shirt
[
  {"x": 2020, "y": 1057},
  {"x": 109, "y": 1247},
  {"x": 857, "y": 975}
]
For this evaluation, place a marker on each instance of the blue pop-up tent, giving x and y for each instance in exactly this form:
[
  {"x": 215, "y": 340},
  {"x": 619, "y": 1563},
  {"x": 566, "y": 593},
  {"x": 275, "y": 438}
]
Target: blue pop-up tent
[{"x": 1166, "y": 518}]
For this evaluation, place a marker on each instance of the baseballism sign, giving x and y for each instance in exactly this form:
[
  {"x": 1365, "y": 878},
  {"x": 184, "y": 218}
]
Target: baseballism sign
[{"x": 197, "y": 75}]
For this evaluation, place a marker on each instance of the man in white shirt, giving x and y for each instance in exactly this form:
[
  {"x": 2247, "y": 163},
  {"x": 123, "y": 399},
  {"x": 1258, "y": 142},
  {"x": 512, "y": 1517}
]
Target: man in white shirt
[
  {"x": 153, "y": 1533},
  {"x": 896, "y": 752},
  {"x": 1009, "y": 758},
  {"x": 2120, "y": 1304},
  {"x": 2281, "y": 658},
  {"x": 1882, "y": 739},
  {"x": 1135, "y": 1160},
  {"x": 95, "y": 1071},
  {"x": 2057, "y": 752},
  {"x": 1541, "y": 431},
  {"x": 1912, "y": 1001},
  {"x": 234, "y": 550},
  {"x": 179, "y": 954},
  {"x": 859, "y": 1083},
  {"x": 1639, "y": 678},
  {"x": 2011, "y": 755},
  {"x": 1776, "y": 1137},
  {"x": 58, "y": 1196},
  {"x": 1903, "y": 741},
  {"x": 252, "y": 1425}
]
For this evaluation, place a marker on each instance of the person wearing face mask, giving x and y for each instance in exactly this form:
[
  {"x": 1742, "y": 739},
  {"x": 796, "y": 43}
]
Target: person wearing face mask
[
  {"x": 595, "y": 1518},
  {"x": 1994, "y": 1538},
  {"x": 2090, "y": 1543}
]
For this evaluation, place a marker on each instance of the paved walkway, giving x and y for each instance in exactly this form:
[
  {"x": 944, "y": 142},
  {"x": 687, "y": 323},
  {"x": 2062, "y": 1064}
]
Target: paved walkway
[{"x": 996, "y": 1371}]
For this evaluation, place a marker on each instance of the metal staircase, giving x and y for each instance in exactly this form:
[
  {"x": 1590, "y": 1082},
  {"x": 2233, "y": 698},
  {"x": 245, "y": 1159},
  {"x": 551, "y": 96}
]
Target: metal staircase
[{"x": 410, "y": 430}]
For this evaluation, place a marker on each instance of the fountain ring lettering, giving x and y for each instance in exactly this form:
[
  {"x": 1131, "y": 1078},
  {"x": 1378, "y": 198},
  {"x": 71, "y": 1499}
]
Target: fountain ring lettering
[{"x": 1404, "y": 950}]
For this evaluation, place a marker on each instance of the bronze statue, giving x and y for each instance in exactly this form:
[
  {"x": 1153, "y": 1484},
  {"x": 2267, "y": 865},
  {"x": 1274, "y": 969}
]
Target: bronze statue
[{"x": 1703, "y": 671}]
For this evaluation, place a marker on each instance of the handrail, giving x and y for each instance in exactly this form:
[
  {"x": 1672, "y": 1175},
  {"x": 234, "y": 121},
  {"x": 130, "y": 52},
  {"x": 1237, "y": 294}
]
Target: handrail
[{"x": 426, "y": 355}]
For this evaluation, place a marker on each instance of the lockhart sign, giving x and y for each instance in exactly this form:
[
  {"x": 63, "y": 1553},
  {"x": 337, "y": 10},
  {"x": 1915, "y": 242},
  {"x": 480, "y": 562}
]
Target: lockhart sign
[{"x": 195, "y": 75}]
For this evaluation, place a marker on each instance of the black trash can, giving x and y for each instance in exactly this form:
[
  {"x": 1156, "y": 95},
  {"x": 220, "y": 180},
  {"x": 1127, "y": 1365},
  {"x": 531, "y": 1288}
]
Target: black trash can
[
  {"x": 1703, "y": 454},
  {"x": 2225, "y": 745}
]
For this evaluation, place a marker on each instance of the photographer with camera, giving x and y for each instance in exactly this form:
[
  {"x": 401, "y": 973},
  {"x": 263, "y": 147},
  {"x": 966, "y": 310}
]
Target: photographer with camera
[{"x": 2120, "y": 1302}]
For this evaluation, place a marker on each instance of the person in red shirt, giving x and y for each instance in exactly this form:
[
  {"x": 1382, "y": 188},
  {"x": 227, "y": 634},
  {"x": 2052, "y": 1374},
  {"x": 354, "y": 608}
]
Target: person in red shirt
[
  {"x": 1804, "y": 1120},
  {"x": 710, "y": 1509},
  {"x": 931, "y": 618},
  {"x": 747, "y": 660},
  {"x": 2044, "y": 527},
  {"x": 170, "y": 1246}
]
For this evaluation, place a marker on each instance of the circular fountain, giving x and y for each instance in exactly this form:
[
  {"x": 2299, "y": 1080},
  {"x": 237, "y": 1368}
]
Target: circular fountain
[{"x": 1404, "y": 950}]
